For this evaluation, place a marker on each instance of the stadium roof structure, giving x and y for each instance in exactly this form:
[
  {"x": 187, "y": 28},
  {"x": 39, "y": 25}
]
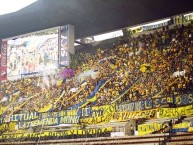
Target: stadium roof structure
[{"x": 89, "y": 17}]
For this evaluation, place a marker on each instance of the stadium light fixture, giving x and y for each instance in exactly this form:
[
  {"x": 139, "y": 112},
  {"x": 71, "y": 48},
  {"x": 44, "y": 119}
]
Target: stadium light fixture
[
  {"x": 188, "y": 14},
  {"x": 157, "y": 22},
  {"x": 108, "y": 35},
  {"x": 150, "y": 24},
  {"x": 10, "y": 6}
]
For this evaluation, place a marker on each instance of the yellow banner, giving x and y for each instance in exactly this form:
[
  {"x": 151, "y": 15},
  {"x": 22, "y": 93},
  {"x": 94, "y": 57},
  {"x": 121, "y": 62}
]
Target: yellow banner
[
  {"x": 124, "y": 116},
  {"x": 144, "y": 129},
  {"x": 106, "y": 109},
  {"x": 100, "y": 115},
  {"x": 176, "y": 112},
  {"x": 56, "y": 133},
  {"x": 8, "y": 126},
  {"x": 181, "y": 125},
  {"x": 118, "y": 116},
  {"x": 190, "y": 129},
  {"x": 96, "y": 120}
]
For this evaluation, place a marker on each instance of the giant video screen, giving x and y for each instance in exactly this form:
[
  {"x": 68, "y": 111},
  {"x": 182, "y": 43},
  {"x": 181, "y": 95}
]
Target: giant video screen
[{"x": 33, "y": 53}]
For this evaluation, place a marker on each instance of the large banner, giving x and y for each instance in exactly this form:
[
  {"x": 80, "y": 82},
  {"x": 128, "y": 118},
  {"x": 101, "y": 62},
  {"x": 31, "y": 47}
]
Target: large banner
[
  {"x": 3, "y": 60},
  {"x": 96, "y": 115},
  {"x": 124, "y": 116},
  {"x": 49, "y": 121},
  {"x": 65, "y": 133},
  {"x": 175, "y": 112},
  {"x": 183, "y": 127},
  {"x": 144, "y": 129},
  {"x": 179, "y": 100},
  {"x": 92, "y": 115}
]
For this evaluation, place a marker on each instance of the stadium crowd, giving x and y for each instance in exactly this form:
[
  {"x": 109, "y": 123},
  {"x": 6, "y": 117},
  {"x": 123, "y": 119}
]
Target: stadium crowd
[
  {"x": 162, "y": 61},
  {"x": 144, "y": 67}
]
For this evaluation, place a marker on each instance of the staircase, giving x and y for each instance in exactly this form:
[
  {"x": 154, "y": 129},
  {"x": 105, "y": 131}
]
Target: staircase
[
  {"x": 181, "y": 139},
  {"x": 155, "y": 139}
]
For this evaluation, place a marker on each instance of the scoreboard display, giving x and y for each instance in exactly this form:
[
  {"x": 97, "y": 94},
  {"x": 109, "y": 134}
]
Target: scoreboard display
[
  {"x": 36, "y": 52},
  {"x": 32, "y": 54}
]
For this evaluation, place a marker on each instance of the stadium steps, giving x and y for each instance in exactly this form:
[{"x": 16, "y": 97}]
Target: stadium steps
[
  {"x": 181, "y": 138},
  {"x": 181, "y": 143},
  {"x": 155, "y": 139},
  {"x": 190, "y": 118}
]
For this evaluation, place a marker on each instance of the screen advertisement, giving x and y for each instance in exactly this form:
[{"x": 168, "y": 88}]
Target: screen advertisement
[
  {"x": 64, "y": 50},
  {"x": 3, "y": 60}
]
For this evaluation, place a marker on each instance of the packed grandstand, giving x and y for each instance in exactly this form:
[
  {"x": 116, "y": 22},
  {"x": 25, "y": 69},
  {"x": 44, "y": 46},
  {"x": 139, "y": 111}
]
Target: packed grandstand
[{"x": 136, "y": 79}]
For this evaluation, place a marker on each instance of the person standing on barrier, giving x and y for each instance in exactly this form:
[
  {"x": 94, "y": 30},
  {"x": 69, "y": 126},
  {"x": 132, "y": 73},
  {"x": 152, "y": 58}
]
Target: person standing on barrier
[
  {"x": 170, "y": 128},
  {"x": 131, "y": 130}
]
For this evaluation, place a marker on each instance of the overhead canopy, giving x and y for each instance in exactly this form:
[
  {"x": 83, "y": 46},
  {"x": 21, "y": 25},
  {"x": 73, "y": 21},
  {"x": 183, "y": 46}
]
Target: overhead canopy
[{"x": 89, "y": 17}]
